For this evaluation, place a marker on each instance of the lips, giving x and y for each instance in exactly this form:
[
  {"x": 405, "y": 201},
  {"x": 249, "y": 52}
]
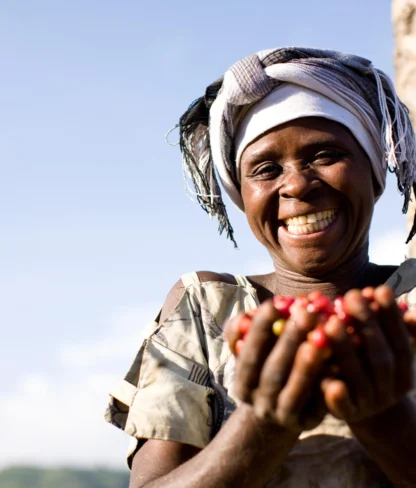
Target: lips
[{"x": 310, "y": 223}]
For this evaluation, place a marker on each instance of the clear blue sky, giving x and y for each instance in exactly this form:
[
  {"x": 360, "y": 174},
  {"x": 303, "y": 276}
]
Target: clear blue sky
[{"x": 95, "y": 223}]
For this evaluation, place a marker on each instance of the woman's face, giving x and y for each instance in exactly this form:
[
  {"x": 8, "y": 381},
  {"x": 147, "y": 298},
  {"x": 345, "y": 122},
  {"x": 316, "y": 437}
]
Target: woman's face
[{"x": 308, "y": 194}]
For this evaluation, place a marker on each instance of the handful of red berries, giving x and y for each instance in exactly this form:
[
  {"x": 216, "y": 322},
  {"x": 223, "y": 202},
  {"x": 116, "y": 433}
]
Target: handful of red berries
[{"x": 317, "y": 304}]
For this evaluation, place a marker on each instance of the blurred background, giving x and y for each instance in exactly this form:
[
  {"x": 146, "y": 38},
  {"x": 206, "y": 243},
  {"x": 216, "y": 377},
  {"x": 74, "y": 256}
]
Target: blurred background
[{"x": 96, "y": 226}]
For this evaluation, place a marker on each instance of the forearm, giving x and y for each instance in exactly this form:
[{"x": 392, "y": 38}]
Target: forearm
[
  {"x": 390, "y": 440},
  {"x": 244, "y": 453}
]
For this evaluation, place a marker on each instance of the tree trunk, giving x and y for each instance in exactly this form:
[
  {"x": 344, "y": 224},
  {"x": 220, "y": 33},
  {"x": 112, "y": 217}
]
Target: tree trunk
[{"x": 404, "y": 19}]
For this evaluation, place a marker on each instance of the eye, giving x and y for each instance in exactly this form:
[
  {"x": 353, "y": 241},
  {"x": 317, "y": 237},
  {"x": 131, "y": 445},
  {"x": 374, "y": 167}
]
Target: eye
[
  {"x": 267, "y": 169},
  {"x": 329, "y": 156}
]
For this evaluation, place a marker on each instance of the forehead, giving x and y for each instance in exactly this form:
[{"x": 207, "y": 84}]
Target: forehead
[{"x": 301, "y": 133}]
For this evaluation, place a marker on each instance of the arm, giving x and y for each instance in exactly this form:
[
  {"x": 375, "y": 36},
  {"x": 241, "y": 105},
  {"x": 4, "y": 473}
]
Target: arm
[
  {"x": 390, "y": 439},
  {"x": 245, "y": 453},
  {"x": 370, "y": 395},
  {"x": 260, "y": 433}
]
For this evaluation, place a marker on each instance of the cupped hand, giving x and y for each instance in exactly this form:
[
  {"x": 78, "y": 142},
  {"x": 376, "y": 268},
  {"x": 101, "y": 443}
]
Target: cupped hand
[
  {"x": 279, "y": 377},
  {"x": 376, "y": 374}
]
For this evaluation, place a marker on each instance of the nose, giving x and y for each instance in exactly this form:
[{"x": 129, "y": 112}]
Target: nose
[{"x": 298, "y": 184}]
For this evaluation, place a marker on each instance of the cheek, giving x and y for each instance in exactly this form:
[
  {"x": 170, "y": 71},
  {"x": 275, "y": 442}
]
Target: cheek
[
  {"x": 252, "y": 199},
  {"x": 260, "y": 200},
  {"x": 355, "y": 181},
  {"x": 352, "y": 179},
  {"x": 258, "y": 203},
  {"x": 252, "y": 206}
]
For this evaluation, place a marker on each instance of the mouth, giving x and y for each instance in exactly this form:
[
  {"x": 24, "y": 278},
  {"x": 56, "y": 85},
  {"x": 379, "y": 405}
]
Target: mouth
[{"x": 310, "y": 223}]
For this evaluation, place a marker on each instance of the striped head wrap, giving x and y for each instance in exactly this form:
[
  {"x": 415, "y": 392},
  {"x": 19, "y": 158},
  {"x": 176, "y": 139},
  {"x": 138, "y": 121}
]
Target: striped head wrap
[{"x": 209, "y": 128}]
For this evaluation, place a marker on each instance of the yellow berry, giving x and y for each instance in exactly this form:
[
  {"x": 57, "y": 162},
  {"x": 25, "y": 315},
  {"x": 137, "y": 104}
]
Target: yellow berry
[{"x": 278, "y": 326}]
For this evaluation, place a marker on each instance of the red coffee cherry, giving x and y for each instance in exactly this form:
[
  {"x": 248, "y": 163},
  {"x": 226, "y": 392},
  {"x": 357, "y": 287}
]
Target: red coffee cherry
[
  {"x": 282, "y": 305},
  {"x": 320, "y": 304},
  {"x": 239, "y": 346},
  {"x": 318, "y": 338},
  {"x": 245, "y": 324},
  {"x": 301, "y": 301},
  {"x": 313, "y": 295},
  {"x": 340, "y": 312},
  {"x": 323, "y": 307},
  {"x": 339, "y": 303}
]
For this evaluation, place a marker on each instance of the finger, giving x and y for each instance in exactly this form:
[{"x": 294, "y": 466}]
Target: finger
[
  {"x": 377, "y": 355},
  {"x": 350, "y": 364},
  {"x": 298, "y": 389},
  {"x": 409, "y": 319},
  {"x": 397, "y": 337},
  {"x": 279, "y": 363},
  {"x": 232, "y": 333},
  {"x": 258, "y": 343},
  {"x": 368, "y": 293},
  {"x": 357, "y": 306},
  {"x": 337, "y": 398},
  {"x": 391, "y": 318},
  {"x": 235, "y": 330},
  {"x": 314, "y": 410}
]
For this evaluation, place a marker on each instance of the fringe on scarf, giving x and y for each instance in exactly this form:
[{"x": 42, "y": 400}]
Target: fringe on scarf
[
  {"x": 198, "y": 166},
  {"x": 399, "y": 141}
]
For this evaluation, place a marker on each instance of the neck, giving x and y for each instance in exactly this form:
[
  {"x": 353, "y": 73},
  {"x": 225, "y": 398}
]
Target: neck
[{"x": 352, "y": 274}]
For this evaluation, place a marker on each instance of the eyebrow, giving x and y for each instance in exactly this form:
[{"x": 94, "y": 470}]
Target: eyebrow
[
  {"x": 260, "y": 155},
  {"x": 269, "y": 153}
]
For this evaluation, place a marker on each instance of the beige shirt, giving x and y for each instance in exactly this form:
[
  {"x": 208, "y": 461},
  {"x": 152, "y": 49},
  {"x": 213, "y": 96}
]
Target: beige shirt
[{"x": 179, "y": 388}]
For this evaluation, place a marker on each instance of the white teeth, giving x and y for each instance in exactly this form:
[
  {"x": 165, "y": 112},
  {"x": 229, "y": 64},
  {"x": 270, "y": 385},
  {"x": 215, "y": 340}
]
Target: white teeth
[{"x": 307, "y": 224}]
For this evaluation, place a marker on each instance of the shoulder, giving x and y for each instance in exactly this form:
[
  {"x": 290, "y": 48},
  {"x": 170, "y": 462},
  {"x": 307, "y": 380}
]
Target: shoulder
[
  {"x": 177, "y": 291},
  {"x": 205, "y": 276},
  {"x": 403, "y": 280}
]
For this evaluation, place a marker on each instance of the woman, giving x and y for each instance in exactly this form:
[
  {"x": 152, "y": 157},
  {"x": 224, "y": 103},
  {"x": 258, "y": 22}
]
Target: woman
[{"x": 301, "y": 140}]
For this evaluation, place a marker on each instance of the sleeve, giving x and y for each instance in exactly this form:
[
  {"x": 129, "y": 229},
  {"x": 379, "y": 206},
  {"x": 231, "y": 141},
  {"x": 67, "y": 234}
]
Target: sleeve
[
  {"x": 403, "y": 283},
  {"x": 167, "y": 394}
]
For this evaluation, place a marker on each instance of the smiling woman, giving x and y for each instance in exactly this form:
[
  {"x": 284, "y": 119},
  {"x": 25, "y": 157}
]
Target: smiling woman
[{"x": 315, "y": 395}]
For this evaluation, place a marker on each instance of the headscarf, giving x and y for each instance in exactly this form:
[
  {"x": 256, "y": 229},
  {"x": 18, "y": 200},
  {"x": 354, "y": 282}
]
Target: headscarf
[
  {"x": 290, "y": 102},
  {"x": 209, "y": 127}
]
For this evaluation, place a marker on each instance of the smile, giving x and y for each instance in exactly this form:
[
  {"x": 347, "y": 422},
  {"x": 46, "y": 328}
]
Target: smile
[{"x": 310, "y": 223}]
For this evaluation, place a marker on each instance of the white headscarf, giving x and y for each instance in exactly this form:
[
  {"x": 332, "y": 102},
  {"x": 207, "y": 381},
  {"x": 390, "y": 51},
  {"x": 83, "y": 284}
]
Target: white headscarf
[{"x": 299, "y": 96}]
